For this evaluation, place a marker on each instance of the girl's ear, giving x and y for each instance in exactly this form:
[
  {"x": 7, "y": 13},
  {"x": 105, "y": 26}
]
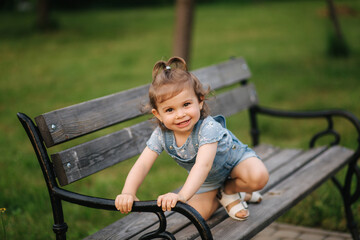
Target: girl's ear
[
  {"x": 201, "y": 104},
  {"x": 156, "y": 114}
]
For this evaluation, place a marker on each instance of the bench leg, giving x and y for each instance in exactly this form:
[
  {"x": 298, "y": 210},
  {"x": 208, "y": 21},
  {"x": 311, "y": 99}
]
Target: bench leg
[
  {"x": 60, "y": 231},
  {"x": 348, "y": 197},
  {"x": 60, "y": 227}
]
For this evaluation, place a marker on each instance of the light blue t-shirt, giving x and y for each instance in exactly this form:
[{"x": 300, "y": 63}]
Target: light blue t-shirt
[{"x": 230, "y": 151}]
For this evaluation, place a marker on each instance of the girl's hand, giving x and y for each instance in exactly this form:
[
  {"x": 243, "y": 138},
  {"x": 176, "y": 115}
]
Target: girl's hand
[
  {"x": 169, "y": 200},
  {"x": 124, "y": 202}
]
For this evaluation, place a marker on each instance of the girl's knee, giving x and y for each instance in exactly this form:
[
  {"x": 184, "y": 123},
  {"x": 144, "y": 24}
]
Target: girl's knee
[
  {"x": 260, "y": 179},
  {"x": 260, "y": 183}
]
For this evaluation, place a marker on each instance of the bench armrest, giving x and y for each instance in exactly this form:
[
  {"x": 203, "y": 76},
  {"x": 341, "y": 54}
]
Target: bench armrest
[
  {"x": 328, "y": 114},
  {"x": 140, "y": 206}
]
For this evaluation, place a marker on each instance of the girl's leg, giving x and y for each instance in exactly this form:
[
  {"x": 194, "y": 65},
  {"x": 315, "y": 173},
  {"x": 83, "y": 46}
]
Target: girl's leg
[
  {"x": 205, "y": 203},
  {"x": 248, "y": 176}
]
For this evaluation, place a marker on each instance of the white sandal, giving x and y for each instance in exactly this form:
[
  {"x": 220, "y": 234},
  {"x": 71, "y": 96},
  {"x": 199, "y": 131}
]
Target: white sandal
[
  {"x": 226, "y": 199},
  {"x": 255, "y": 197}
]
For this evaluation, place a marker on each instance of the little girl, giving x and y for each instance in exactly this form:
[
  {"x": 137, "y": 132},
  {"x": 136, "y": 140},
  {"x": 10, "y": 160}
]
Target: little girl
[{"x": 221, "y": 168}]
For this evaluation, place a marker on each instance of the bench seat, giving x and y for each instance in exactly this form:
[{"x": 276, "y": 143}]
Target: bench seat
[{"x": 293, "y": 174}]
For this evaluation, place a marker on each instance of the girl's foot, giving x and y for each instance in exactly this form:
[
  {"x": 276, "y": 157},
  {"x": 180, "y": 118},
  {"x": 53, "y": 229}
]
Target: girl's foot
[
  {"x": 254, "y": 197},
  {"x": 233, "y": 205}
]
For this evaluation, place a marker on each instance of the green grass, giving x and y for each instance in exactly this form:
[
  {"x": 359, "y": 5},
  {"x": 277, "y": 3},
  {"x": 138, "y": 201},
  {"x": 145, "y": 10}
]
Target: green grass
[{"x": 94, "y": 53}]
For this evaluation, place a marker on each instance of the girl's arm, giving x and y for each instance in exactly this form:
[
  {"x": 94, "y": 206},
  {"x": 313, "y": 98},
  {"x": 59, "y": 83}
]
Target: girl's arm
[
  {"x": 199, "y": 172},
  {"x": 136, "y": 176}
]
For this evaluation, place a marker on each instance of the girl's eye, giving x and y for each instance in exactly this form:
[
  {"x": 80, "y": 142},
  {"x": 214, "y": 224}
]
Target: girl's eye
[
  {"x": 169, "y": 110},
  {"x": 187, "y": 104}
]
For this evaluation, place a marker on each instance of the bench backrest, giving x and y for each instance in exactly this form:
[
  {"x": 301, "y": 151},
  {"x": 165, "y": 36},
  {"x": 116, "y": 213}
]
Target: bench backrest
[{"x": 68, "y": 123}]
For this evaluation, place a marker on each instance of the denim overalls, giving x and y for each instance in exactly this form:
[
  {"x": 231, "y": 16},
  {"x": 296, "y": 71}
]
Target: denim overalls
[{"x": 230, "y": 150}]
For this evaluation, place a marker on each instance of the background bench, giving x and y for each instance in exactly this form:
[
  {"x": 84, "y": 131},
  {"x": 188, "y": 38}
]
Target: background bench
[{"x": 294, "y": 173}]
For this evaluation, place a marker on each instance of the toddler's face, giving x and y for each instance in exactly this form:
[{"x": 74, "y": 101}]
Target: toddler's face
[{"x": 180, "y": 113}]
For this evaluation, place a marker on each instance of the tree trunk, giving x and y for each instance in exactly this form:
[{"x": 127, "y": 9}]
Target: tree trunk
[
  {"x": 183, "y": 28},
  {"x": 44, "y": 22},
  {"x": 338, "y": 46}
]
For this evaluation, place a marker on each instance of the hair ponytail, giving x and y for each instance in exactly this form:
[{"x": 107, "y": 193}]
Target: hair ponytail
[
  {"x": 158, "y": 67},
  {"x": 177, "y": 63},
  {"x": 162, "y": 67}
]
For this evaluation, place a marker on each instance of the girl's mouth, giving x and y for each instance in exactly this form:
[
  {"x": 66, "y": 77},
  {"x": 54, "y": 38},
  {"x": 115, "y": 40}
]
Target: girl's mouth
[{"x": 183, "y": 124}]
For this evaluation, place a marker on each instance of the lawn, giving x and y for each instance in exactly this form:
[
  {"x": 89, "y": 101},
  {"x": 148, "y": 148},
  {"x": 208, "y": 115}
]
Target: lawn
[{"x": 99, "y": 52}]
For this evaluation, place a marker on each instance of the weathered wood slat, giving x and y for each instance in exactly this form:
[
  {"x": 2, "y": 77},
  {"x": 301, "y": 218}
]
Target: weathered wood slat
[
  {"x": 233, "y": 101},
  {"x": 224, "y": 74},
  {"x": 284, "y": 195},
  {"x": 279, "y": 174},
  {"x": 126, "y": 227},
  {"x": 282, "y": 157},
  {"x": 85, "y": 159},
  {"x": 190, "y": 231},
  {"x": 77, "y": 120},
  {"x": 67, "y": 123},
  {"x": 265, "y": 151}
]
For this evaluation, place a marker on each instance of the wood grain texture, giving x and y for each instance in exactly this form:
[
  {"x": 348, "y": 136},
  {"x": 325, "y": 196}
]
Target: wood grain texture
[
  {"x": 80, "y": 119},
  {"x": 233, "y": 101},
  {"x": 85, "y": 159},
  {"x": 126, "y": 227},
  {"x": 77, "y": 120}
]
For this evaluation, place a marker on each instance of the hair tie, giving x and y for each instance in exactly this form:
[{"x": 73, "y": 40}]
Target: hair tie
[{"x": 168, "y": 68}]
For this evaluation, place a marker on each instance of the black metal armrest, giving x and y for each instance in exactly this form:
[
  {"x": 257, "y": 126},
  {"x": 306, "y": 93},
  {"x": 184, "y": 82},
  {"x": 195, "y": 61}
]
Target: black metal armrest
[
  {"x": 140, "y": 206},
  {"x": 310, "y": 114},
  {"x": 327, "y": 114}
]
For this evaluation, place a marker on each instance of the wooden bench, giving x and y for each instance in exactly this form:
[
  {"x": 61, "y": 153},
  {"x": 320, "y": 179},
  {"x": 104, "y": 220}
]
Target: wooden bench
[{"x": 294, "y": 173}]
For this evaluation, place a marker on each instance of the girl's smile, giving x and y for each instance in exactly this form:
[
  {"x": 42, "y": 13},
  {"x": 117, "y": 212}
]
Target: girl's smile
[
  {"x": 180, "y": 113},
  {"x": 183, "y": 124}
]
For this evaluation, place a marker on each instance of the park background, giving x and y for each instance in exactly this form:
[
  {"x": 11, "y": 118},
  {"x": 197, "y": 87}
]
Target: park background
[{"x": 95, "y": 49}]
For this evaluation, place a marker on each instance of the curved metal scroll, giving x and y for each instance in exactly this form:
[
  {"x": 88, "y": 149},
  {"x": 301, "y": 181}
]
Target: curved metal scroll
[
  {"x": 161, "y": 231},
  {"x": 182, "y": 208},
  {"x": 328, "y": 131}
]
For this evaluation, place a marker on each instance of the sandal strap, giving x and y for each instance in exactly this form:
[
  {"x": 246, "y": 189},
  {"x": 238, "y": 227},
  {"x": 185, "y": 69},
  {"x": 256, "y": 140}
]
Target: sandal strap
[
  {"x": 237, "y": 208},
  {"x": 242, "y": 195},
  {"x": 226, "y": 199},
  {"x": 255, "y": 196}
]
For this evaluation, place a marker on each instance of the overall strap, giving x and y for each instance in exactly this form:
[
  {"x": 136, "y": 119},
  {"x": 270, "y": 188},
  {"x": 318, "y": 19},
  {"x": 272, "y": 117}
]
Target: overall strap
[{"x": 169, "y": 139}]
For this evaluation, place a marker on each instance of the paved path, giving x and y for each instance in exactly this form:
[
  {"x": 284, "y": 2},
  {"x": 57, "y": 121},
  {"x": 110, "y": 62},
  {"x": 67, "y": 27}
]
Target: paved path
[{"x": 280, "y": 231}]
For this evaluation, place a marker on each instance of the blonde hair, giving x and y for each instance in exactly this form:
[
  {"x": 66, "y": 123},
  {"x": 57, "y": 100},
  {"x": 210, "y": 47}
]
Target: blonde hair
[{"x": 170, "y": 78}]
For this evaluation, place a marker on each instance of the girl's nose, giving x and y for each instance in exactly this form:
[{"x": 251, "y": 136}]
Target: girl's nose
[{"x": 180, "y": 114}]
